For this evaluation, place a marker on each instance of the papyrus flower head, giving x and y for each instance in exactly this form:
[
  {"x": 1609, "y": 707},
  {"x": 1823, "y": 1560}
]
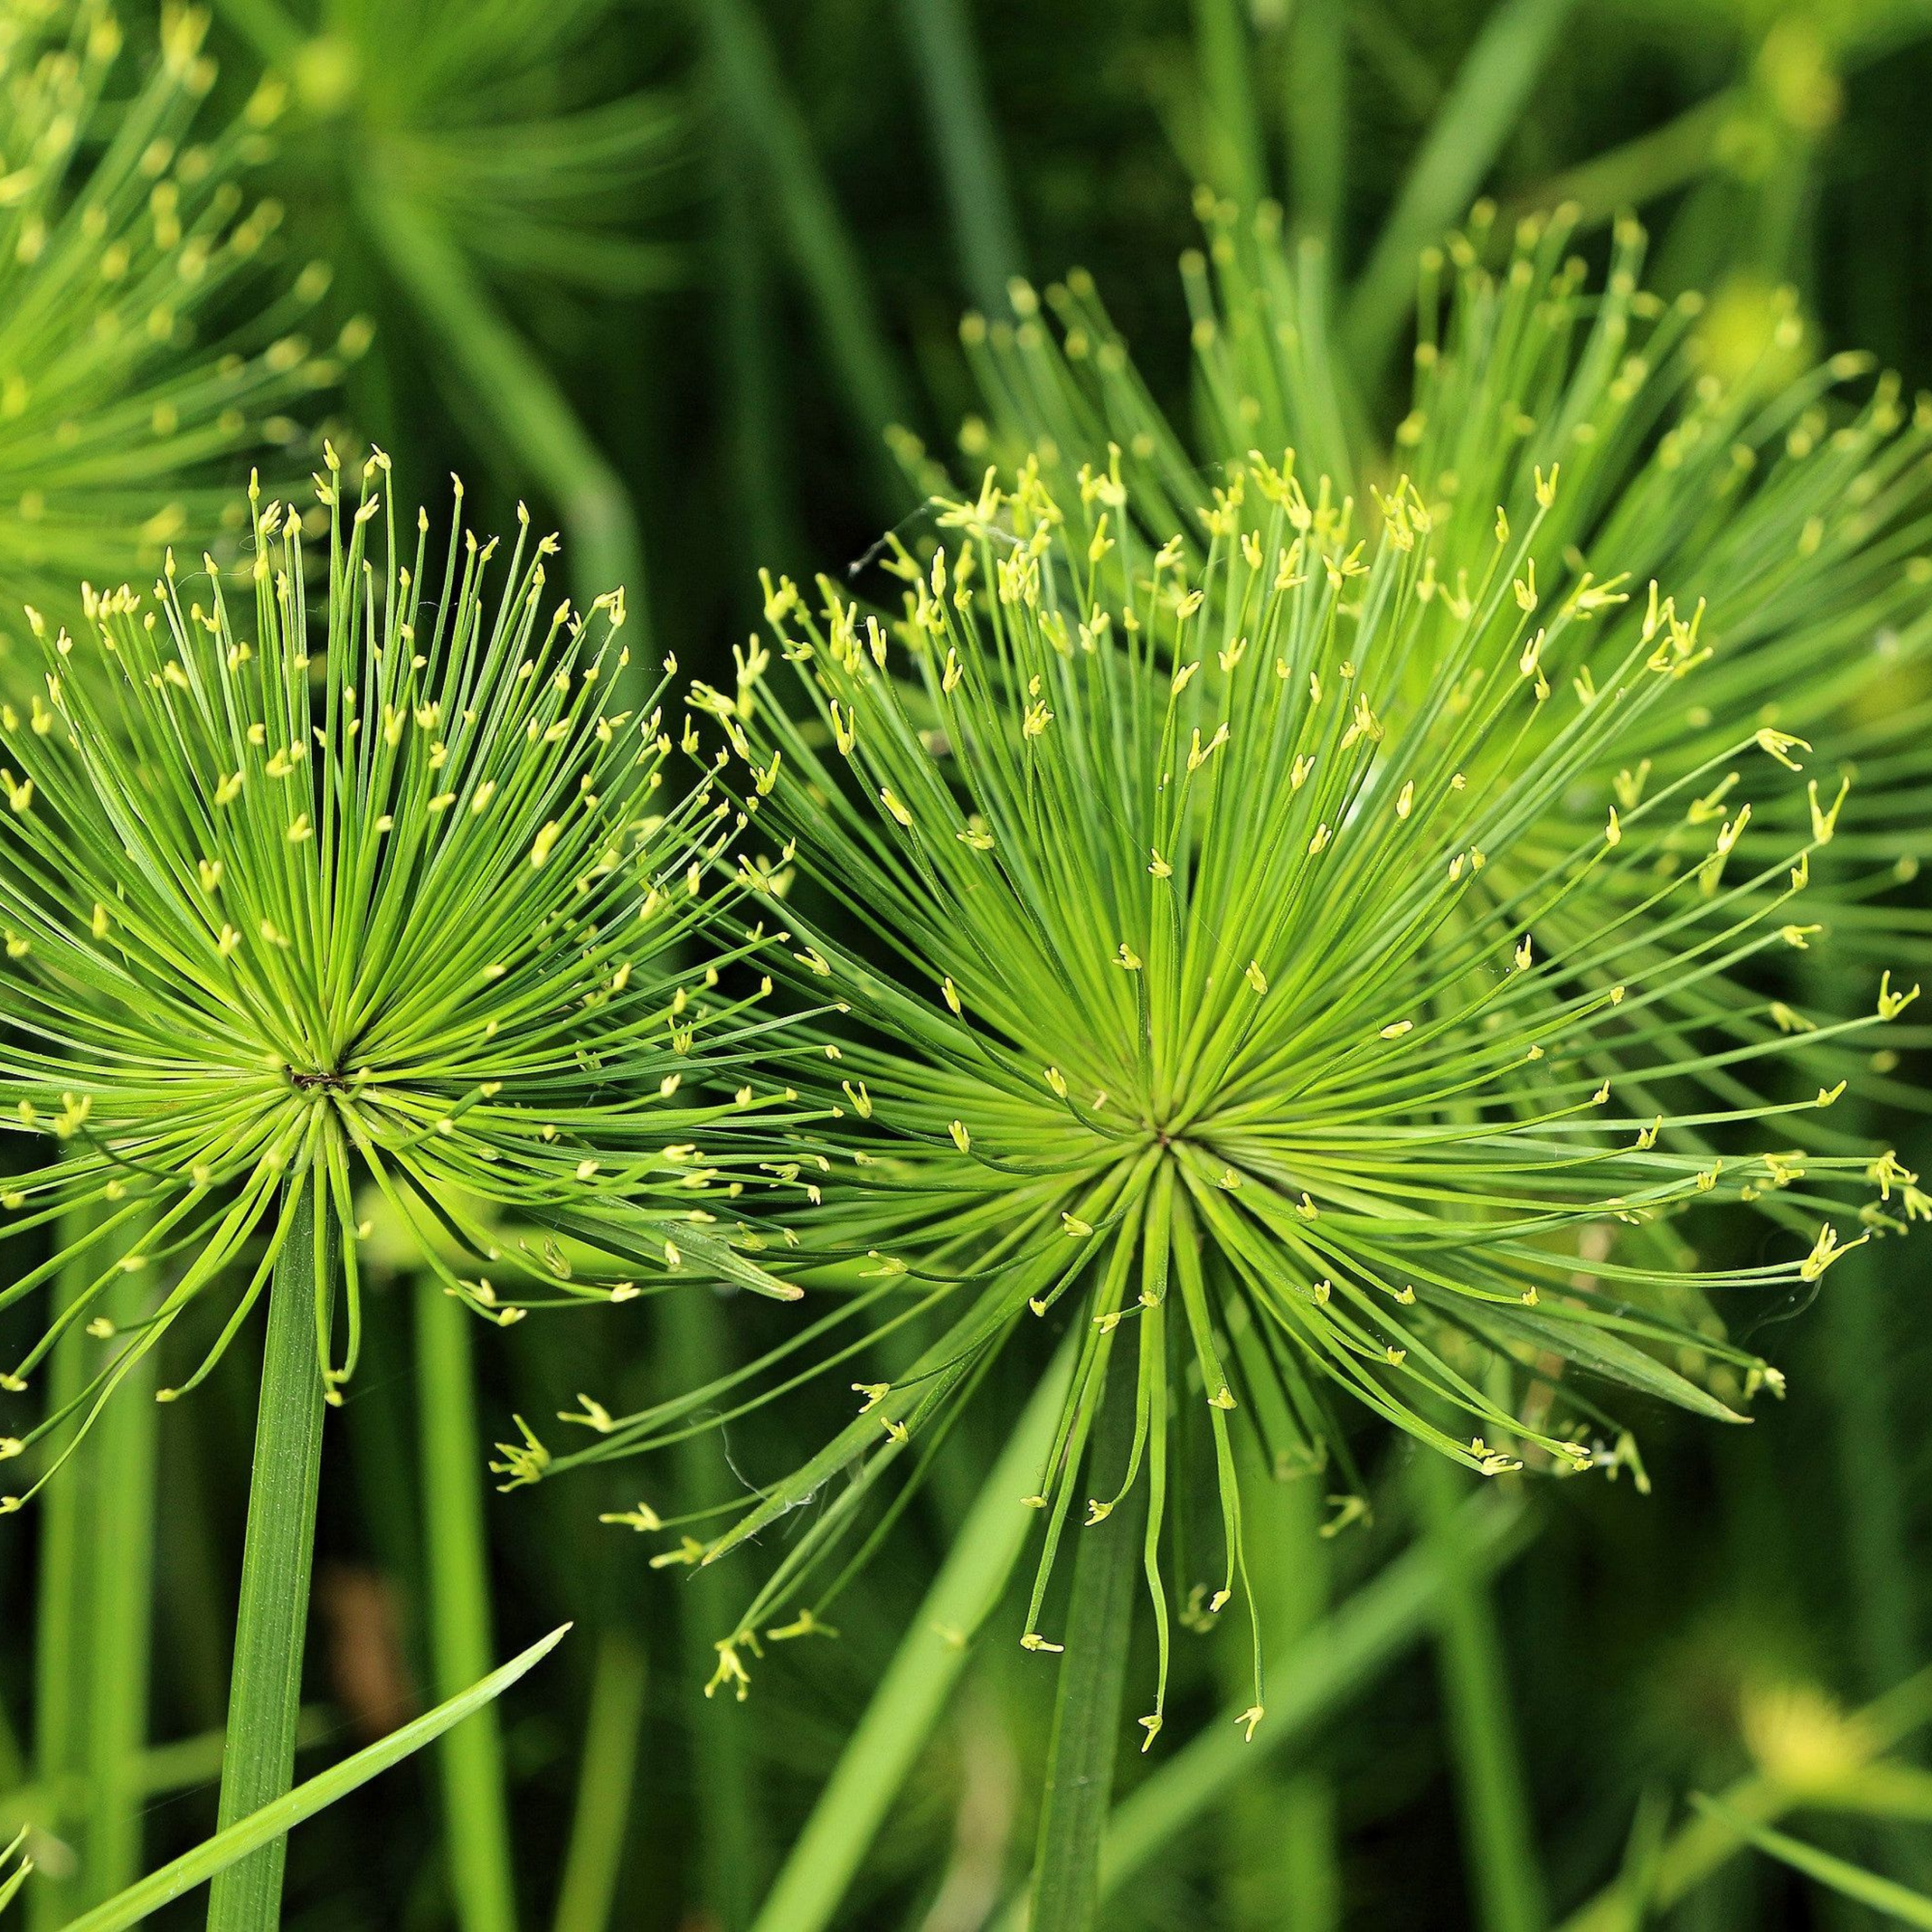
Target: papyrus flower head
[
  {"x": 1248, "y": 969},
  {"x": 125, "y": 234},
  {"x": 1790, "y": 497},
  {"x": 370, "y": 883}
]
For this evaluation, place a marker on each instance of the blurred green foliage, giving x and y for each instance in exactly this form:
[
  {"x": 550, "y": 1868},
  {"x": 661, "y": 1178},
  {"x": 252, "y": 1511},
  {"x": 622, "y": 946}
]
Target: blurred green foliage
[{"x": 669, "y": 269}]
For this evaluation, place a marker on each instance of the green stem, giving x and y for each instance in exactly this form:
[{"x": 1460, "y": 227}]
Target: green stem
[
  {"x": 1490, "y": 87},
  {"x": 1087, "y": 1714},
  {"x": 161, "y": 1770},
  {"x": 1345, "y": 1651},
  {"x": 1498, "y": 1837},
  {"x": 1315, "y": 113},
  {"x": 1706, "y": 1843},
  {"x": 1279, "y": 1856},
  {"x": 1874, "y": 1507},
  {"x": 240, "y": 1844},
  {"x": 96, "y": 1560},
  {"x": 265, "y": 1694},
  {"x": 524, "y": 404},
  {"x": 879, "y": 1757},
  {"x": 756, "y": 402},
  {"x": 954, "y": 86},
  {"x": 12, "y": 1764},
  {"x": 595, "y": 1857},
  {"x": 1233, "y": 156},
  {"x": 476, "y": 1824},
  {"x": 1882, "y": 1640},
  {"x": 752, "y": 87},
  {"x": 267, "y": 27},
  {"x": 1657, "y": 162},
  {"x": 729, "y": 1853}
]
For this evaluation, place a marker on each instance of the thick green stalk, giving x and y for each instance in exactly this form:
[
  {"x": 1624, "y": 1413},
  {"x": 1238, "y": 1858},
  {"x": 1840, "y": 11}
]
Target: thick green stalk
[
  {"x": 265, "y": 1693},
  {"x": 475, "y": 1811},
  {"x": 515, "y": 390},
  {"x": 1315, "y": 113},
  {"x": 595, "y": 1859},
  {"x": 1467, "y": 135},
  {"x": 729, "y": 1852},
  {"x": 96, "y": 1561},
  {"x": 1233, "y": 155},
  {"x": 954, "y": 86},
  {"x": 1498, "y": 1834},
  {"x": 1087, "y": 1714},
  {"x": 1347, "y": 1649},
  {"x": 752, "y": 88},
  {"x": 904, "y": 1711}
]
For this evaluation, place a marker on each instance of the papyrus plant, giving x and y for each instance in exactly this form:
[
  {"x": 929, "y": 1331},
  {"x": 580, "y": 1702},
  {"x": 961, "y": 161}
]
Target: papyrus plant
[
  {"x": 125, "y": 235},
  {"x": 364, "y": 884},
  {"x": 1247, "y": 961},
  {"x": 1790, "y": 497},
  {"x": 477, "y": 161}
]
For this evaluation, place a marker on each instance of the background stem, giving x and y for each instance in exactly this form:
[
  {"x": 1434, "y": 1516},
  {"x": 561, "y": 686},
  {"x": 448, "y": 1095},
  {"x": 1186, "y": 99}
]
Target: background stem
[
  {"x": 594, "y": 1863},
  {"x": 1498, "y": 1832},
  {"x": 522, "y": 400},
  {"x": 1277, "y": 1829},
  {"x": 730, "y": 1856},
  {"x": 476, "y": 1824},
  {"x": 96, "y": 1563},
  {"x": 753, "y": 90},
  {"x": 1087, "y": 1715},
  {"x": 966, "y": 143},
  {"x": 264, "y": 1697},
  {"x": 879, "y": 1758}
]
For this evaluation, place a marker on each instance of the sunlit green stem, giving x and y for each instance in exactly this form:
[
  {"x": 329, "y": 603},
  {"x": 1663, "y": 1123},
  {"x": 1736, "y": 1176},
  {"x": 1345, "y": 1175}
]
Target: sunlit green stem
[
  {"x": 97, "y": 1555},
  {"x": 905, "y": 1709},
  {"x": 521, "y": 398},
  {"x": 1498, "y": 1832},
  {"x": 1087, "y": 1715},
  {"x": 954, "y": 85},
  {"x": 264, "y": 1697},
  {"x": 595, "y": 1859},
  {"x": 476, "y": 1812}
]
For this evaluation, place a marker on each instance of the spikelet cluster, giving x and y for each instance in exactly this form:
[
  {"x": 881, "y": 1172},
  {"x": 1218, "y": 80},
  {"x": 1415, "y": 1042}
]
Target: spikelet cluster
[
  {"x": 367, "y": 893},
  {"x": 126, "y": 243},
  {"x": 1790, "y": 499},
  {"x": 1242, "y": 958},
  {"x": 442, "y": 120}
]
